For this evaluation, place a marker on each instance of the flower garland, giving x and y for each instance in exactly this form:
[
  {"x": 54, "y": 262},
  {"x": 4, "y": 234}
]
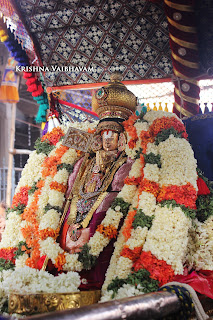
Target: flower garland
[
  {"x": 169, "y": 174},
  {"x": 41, "y": 193},
  {"x": 146, "y": 202}
]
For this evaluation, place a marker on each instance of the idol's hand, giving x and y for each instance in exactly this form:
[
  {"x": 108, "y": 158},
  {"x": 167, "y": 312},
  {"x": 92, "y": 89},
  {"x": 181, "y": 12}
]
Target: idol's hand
[{"x": 76, "y": 238}]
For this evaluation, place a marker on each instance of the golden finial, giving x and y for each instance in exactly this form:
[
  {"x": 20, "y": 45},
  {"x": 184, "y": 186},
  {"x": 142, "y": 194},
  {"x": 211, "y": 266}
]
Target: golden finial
[
  {"x": 166, "y": 108},
  {"x": 160, "y": 107},
  {"x": 116, "y": 76},
  {"x": 155, "y": 108}
]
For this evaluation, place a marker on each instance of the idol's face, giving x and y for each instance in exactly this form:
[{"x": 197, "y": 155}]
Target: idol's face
[{"x": 110, "y": 140}]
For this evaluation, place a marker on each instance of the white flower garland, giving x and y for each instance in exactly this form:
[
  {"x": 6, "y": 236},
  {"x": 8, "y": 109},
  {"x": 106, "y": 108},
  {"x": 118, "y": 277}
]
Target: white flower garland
[
  {"x": 27, "y": 280},
  {"x": 168, "y": 237},
  {"x": 200, "y": 249}
]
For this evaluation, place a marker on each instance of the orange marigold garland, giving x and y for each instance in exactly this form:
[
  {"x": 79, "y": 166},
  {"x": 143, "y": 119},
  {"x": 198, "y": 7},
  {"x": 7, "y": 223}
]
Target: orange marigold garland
[
  {"x": 109, "y": 231},
  {"x": 165, "y": 123},
  {"x": 159, "y": 269},
  {"x": 31, "y": 232},
  {"x": 60, "y": 261},
  {"x": 131, "y": 254},
  {"x": 149, "y": 186},
  {"x": 185, "y": 195},
  {"x": 128, "y": 224},
  {"x": 45, "y": 233},
  {"x": 54, "y": 136},
  {"x": 132, "y": 181},
  {"x": 145, "y": 137},
  {"x": 54, "y": 185},
  {"x": 131, "y": 130},
  {"x": 21, "y": 197}
]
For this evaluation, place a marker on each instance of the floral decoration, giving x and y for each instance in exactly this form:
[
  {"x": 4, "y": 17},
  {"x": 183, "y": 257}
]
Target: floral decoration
[
  {"x": 157, "y": 202},
  {"x": 162, "y": 212}
]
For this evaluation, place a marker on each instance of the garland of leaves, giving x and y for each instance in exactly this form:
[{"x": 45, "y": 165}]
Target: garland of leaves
[
  {"x": 142, "y": 220},
  {"x": 164, "y": 134},
  {"x": 153, "y": 159},
  {"x": 140, "y": 280},
  {"x": 188, "y": 212},
  {"x": 124, "y": 206}
]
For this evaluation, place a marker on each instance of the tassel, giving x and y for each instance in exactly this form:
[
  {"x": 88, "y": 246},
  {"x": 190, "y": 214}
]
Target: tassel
[
  {"x": 32, "y": 88},
  {"x": 202, "y": 187},
  {"x": 50, "y": 124},
  {"x": 38, "y": 92},
  {"x": 55, "y": 121},
  {"x": 27, "y": 75}
]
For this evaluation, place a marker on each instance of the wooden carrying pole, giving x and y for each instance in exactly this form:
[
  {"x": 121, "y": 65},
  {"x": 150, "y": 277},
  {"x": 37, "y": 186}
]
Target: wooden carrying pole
[{"x": 10, "y": 158}]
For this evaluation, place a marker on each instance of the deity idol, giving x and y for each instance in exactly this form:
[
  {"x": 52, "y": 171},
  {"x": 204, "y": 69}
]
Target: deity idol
[{"x": 98, "y": 177}]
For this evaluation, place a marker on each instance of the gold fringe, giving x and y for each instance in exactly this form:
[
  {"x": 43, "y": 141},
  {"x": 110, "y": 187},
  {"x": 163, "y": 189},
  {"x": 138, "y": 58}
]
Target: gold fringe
[
  {"x": 181, "y": 7},
  {"x": 184, "y": 62},
  {"x": 181, "y": 27},
  {"x": 184, "y": 43},
  {"x": 183, "y": 111},
  {"x": 182, "y": 76},
  {"x": 186, "y": 98}
]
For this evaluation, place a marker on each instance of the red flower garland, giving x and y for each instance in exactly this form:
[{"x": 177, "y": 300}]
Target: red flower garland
[
  {"x": 202, "y": 187},
  {"x": 149, "y": 186},
  {"x": 131, "y": 254},
  {"x": 54, "y": 136},
  {"x": 159, "y": 269},
  {"x": 185, "y": 194},
  {"x": 165, "y": 123},
  {"x": 8, "y": 254},
  {"x": 21, "y": 197}
]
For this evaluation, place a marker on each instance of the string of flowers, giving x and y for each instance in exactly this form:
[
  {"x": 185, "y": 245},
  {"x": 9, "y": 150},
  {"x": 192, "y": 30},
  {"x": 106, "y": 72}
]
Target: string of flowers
[
  {"x": 155, "y": 228},
  {"x": 12, "y": 234},
  {"x": 25, "y": 231},
  {"x": 170, "y": 169}
]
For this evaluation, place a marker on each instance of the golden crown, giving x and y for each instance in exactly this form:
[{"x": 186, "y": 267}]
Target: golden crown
[{"x": 114, "y": 100}]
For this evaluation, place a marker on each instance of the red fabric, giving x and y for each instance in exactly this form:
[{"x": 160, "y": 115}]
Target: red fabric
[
  {"x": 40, "y": 262},
  {"x": 62, "y": 237},
  {"x": 201, "y": 281},
  {"x": 202, "y": 187}
]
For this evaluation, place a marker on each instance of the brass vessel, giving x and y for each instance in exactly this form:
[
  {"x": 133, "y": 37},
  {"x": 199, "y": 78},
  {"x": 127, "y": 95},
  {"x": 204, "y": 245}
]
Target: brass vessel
[{"x": 27, "y": 304}]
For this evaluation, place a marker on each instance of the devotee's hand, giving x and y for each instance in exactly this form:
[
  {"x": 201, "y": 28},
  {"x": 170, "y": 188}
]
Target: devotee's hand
[{"x": 81, "y": 236}]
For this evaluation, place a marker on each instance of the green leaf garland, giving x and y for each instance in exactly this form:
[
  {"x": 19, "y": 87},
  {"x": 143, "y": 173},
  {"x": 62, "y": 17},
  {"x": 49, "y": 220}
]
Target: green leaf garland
[
  {"x": 190, "y": 213},
  {"x": 142, "y": 220},
  {"x": 43, "y": 146},
  {"x": 19, "y": 251},
  {"x": 140, "y": 278},
  {"x": 153, "y": 159},
  {"x": 6, "y": 264},
  {"x": 67, "y": 166},
  {"x": 87, "y": 259},
  {"x": 165, "y": 133},
  {"x": 124, "y": 206}
]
